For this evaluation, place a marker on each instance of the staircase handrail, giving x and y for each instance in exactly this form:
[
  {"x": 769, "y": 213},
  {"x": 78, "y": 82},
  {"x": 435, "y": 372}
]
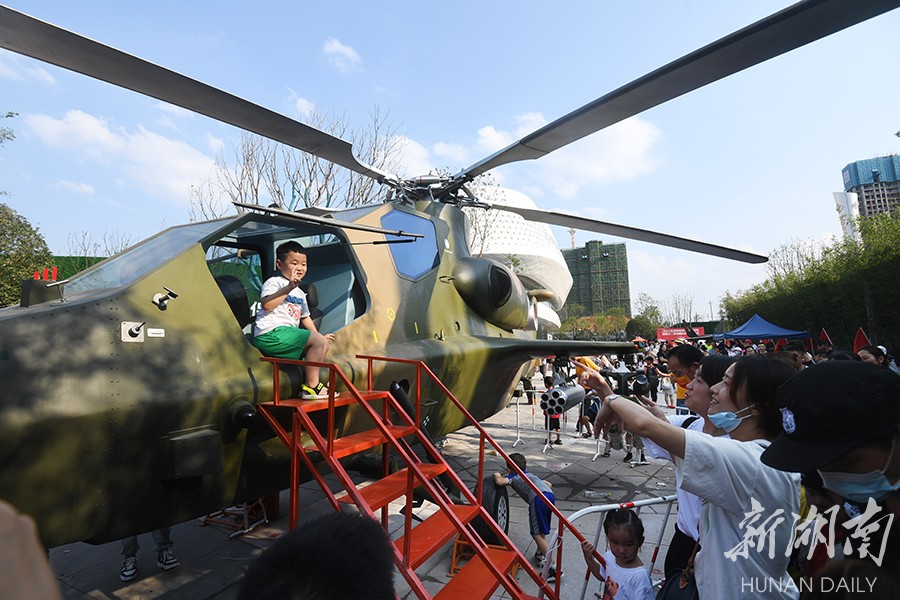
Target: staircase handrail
[
  {"x": 336, "y": 373},
  {"x": 564, "y": 523}
]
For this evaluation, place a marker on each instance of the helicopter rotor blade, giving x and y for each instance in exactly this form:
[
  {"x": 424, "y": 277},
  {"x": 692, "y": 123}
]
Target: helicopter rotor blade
[
  {"x": 32, "y": 37},
  {"x": 633, "y": 233},
  {"x": 772, "y": 36}
]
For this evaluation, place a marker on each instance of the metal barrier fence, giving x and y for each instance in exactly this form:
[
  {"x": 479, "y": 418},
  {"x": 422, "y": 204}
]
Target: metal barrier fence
[{"x": 555, "y": 541}]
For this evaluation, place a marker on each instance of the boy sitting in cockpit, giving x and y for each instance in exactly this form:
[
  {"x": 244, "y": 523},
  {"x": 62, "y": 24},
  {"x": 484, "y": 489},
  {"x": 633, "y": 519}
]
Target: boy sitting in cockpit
[{"x": 283, "y": 327}]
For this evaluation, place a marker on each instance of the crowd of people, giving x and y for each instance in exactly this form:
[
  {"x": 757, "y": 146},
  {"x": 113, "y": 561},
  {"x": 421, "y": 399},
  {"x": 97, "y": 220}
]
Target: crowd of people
[{"x": 786, "y": 462}]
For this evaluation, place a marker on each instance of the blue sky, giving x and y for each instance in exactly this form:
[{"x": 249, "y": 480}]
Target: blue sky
[{"x": 750, "y": 161}]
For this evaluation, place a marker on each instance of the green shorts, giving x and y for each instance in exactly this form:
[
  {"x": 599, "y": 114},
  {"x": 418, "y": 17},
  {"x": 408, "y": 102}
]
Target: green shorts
[{"x": 283, "y": 342}]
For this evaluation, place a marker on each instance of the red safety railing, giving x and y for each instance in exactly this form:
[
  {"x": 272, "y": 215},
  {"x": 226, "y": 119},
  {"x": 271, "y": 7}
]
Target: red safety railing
[{"x": 415, "y": 475}]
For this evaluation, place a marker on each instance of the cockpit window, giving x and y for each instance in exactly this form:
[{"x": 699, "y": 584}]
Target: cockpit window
[
  {"x": 139, "y": 260},
  {"x": 412, "y": 259}
]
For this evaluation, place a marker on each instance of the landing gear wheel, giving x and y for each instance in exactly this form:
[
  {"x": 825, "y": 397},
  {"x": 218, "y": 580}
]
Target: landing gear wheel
[{"x": 495, "y": 499}]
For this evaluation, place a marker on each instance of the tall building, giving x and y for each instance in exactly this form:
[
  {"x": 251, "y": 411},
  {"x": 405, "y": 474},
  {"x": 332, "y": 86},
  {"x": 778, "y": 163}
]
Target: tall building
[
  {"x": 599, "y": 277},
  {"x": 876, "y": 183}
]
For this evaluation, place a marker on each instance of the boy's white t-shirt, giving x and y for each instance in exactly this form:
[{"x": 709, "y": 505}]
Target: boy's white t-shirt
[
  {"x": 729, "y": 476},
  {"x": 288, "y": 313},
  {"x": 626, "y": 584}
]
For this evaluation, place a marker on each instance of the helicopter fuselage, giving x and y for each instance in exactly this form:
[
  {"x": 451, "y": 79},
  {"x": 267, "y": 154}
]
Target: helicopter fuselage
[{"x": 121, "y": 409}]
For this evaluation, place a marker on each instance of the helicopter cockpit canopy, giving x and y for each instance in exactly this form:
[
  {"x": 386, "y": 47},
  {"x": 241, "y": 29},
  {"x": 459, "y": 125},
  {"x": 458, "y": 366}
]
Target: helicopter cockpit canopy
[{"x": 135, "y": 262}]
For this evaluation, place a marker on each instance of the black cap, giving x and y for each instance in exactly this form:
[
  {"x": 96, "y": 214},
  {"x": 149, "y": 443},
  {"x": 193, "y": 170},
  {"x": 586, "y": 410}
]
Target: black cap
[{"x": 829, "y": 409}]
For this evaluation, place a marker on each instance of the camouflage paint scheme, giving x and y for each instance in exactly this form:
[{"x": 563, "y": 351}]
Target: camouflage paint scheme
[{"x": 103, "y": 438}]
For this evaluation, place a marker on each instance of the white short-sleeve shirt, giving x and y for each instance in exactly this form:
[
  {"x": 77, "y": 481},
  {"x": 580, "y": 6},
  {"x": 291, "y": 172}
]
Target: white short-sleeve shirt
[
  {"x": 729, "y": 476},
  {"x": 288, "y": 313}
]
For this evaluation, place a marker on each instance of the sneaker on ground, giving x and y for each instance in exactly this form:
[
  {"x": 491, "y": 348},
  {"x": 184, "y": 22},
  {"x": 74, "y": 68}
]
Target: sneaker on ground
[
  {"x": 557, "y": 442},
  {"x": 129, "y": 569},
  {"x": 538, "y": 557},
  {"x": 628, "y": 457},
  {"x": 166, "y": 560},
  {"x": 313, "y": 393},
  {"x": 551, "y": 575}
]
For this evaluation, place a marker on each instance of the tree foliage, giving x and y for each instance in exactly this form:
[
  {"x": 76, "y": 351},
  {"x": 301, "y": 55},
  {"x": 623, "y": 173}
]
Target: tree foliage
[
  {"x": 608, "y": 326},
  {"x": 641, "y": 326},
  {"x": 22, "y": 252},
  {"x": 840, "y": 287},
  {"x": 265, "y": 172}
]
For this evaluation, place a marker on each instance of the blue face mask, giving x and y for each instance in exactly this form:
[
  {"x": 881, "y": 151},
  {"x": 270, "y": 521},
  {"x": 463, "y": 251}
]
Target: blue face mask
[
  {"x": 859, "y": 487},
  {"x": 728, "y": 421}
]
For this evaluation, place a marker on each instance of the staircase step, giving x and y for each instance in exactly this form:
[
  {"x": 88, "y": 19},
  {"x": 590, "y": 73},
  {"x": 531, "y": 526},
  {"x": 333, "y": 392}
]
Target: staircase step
[
  {"x": 380, "y": 493},
  {"x": 430, "y": 535},
  {"x": 475, "y": 581},
  {"x": 340, "y": 399},
  {"x": 351, "y": 444}
]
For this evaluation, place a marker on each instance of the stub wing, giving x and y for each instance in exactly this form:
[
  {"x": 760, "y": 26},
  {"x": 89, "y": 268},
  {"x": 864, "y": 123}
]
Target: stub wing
[{"x": 529, "y": 349}]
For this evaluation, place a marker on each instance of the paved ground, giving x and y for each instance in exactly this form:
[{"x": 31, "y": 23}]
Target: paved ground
[{"x": 212, "y": 562}]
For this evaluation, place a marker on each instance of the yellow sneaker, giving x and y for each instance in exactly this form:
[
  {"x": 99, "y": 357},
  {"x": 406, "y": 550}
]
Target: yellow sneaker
[{"x": 316, "y": 393}]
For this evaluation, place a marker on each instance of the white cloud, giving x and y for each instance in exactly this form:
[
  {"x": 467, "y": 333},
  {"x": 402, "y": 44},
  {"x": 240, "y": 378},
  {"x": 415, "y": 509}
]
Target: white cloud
[
  {"x": 304, "y": 107},
  {"x": 491, "y": 139},
  {"x": 160, "y": 166},
  {"x": 618, "y": 153},
  {"x": 529, "y": 122},
  {"x": 83, "y": 189},
  {"x": 215, "y": 144},
  {"x": 77, "y": 129},
  {"x": 456, "y": 153},
  {"x": 11, "y": 67},
  {"x": 344, "y": 58},
  {"x": 415, "y": 159},
  {"x": 173, "y": 110}
]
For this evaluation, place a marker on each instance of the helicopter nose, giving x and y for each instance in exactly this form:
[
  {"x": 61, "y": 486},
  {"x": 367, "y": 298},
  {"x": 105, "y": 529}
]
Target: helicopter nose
[{"x": 493, "y": 291}]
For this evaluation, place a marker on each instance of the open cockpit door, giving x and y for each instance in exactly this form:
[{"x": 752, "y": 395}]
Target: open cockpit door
[{"x": 244, "y": 257}]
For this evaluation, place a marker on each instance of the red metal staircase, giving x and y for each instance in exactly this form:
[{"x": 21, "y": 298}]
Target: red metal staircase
[{"x": 312, "y": 439}]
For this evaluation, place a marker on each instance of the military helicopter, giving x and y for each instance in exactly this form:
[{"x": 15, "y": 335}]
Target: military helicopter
[{"x": 129, "y": 390}]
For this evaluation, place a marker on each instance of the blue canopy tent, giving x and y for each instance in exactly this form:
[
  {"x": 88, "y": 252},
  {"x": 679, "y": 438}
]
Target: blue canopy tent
[{"x": 757, "y": 328}]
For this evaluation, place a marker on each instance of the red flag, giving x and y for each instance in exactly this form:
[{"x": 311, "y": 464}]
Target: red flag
[
  {"x": 860, "y": 340},
  {"x": 823, "y": 337}
]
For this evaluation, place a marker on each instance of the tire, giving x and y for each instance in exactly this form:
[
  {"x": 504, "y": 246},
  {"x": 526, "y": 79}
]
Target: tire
[{"x": 495, "y": 499}]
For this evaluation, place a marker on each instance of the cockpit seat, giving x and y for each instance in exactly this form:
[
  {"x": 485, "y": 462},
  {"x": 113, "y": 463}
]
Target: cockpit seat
[
  {"x": 236, "y": 296},
  {"x": 312, "y": 298}
]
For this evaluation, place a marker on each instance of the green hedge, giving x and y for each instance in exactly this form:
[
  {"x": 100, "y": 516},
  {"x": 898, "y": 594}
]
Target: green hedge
[{"x": 851, "y": 285}]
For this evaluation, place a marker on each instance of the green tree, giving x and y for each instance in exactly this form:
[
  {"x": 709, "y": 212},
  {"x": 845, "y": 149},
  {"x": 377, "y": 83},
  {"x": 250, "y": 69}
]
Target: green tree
[
  {"x": 847, "y": 285},
  {"x": 22, "y": 252},
  {"x": 641, "y": 326}
]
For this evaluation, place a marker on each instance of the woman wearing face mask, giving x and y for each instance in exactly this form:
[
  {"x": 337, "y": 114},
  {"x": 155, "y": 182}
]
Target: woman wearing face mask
[
  {"x": 728, "y": 475},
  {"x": 697, "y": 399}
]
